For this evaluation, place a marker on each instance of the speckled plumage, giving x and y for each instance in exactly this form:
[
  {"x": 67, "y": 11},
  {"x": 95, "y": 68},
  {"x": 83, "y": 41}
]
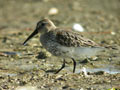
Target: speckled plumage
[
  {"x": 64, "y": 43},
  {"x": 73, "y": 39}
]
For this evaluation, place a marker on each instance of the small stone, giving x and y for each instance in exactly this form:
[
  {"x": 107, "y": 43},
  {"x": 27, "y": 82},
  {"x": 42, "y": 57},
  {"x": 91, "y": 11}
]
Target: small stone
[
  {"x": 99, "y": 73},
  {"x": 59, "y": 77},
  {"x": 4, "y": 39},
  {"x": 42, "y": 55},
  {"x": 78, "y": 27},
  {"x": 85, "y": 71},
  {"x": 65, "y": 87},
  {"x": 94, "y": 58},
  {"x": 5, "y": 87},
  {"x": 26, "y": 88},
  {"x": 29, "y": 62},
  {"x": 113, "y": 33},
  {"x": 53, "y": 11},
  {"x": 81, "y": 89},
  {"x": 85, "y": 61}
]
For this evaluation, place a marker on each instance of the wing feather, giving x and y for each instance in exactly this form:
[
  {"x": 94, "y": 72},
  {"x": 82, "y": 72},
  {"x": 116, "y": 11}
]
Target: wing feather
[{"x": 73, "y": 39}]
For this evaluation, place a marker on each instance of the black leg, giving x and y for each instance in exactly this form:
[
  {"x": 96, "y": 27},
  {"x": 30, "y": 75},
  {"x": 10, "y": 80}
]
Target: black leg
[
  {"x": 74, "y": 63},
  {"x": 63, "y": 65}
]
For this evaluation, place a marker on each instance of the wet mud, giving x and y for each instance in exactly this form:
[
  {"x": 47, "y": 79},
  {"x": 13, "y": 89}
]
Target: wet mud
[{"x": 31, "y": 67}]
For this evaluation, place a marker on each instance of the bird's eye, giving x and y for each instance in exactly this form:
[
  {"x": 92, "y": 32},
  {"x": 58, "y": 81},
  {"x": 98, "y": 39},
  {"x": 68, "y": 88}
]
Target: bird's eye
[
  {"x": 42, "y": 24},
  {"x": 39, "y": 25}
]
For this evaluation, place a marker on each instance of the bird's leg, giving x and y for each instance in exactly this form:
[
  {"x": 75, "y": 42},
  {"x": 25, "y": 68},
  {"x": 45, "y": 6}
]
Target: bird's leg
[
  {"x": 74, "y": 65},
  {"x": 63, "y": 65}
]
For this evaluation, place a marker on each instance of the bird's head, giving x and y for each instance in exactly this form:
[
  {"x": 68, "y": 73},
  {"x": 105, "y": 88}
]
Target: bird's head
[{"x": 43, "y": 26}]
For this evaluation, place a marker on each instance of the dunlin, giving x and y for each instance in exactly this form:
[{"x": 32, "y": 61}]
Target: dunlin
[{"x": 64, "y": 43}]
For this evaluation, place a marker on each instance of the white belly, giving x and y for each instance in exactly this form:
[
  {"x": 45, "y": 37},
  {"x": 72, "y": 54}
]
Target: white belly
[{"x": 79, "y": 52}]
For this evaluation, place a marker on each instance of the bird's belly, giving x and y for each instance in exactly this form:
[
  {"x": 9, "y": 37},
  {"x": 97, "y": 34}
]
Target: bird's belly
[{"x": 79, "y": 52}]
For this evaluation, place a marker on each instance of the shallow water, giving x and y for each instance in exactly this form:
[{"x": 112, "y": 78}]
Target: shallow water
[
  {"x": 30, "y": 65},
  {"x": 110, "y": 70}
]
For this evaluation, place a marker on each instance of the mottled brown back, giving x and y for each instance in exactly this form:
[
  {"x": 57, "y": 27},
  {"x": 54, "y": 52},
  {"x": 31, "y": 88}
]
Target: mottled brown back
[{"x": 73, "y": 39}]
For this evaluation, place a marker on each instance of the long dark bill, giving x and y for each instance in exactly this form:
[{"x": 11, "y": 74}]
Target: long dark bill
[{"x": 33, "y": 34}]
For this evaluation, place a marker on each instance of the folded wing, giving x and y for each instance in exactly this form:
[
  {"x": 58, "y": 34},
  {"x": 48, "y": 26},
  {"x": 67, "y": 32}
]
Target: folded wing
[{"x": 73, "y": 39}]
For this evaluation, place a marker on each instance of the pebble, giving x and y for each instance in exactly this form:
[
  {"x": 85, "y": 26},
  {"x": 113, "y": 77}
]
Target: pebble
[
  {"x": 26, "y": 88},
  {"x": 99, "y": 73},
  {"x": 42, "y": 55},
  {"x": 113, "y": 33},
  {"x": 94, "y": 58},
  {"x": 59, "y": 77},
  {"x": 53, "y": 11},
  {"x": 85, "y": 72},
  {"x": 78, "y": 27}
]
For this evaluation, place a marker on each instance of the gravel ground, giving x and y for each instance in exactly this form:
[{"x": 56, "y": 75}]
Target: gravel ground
[{"x": 31, "y": 67}]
